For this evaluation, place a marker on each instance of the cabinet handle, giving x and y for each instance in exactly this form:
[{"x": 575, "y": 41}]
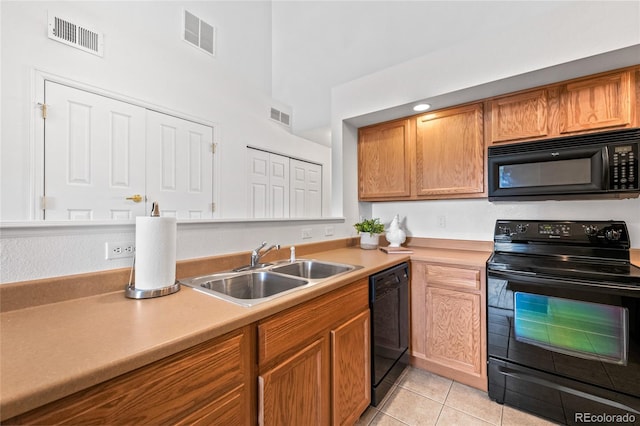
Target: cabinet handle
[{"x": 135, "y": 198}]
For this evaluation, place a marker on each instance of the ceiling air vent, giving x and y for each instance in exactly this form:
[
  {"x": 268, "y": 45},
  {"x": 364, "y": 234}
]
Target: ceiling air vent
[
  {"x": 199, "y": 33},
  {"x": 281, "y": 117},
  {"x": 75, "y": 35}
]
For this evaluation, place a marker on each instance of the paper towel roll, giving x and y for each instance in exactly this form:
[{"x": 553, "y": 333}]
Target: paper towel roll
[{"x": 155, "y": 252}]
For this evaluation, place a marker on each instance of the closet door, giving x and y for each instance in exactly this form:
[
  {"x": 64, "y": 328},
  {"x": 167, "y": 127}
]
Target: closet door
[
  {"x": 179, "y": 166},
  {"x": 94, "y": 156},
  {"x": 267, "y": 184},
  {"x": 306, "y": 189}
]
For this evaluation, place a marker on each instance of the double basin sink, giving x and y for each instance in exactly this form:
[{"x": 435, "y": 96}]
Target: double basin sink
[{"x": 253, "y": 286}]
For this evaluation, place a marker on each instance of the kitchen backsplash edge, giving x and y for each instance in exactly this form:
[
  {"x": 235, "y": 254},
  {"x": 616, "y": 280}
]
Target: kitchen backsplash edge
[{"x": 25, "y": 294}]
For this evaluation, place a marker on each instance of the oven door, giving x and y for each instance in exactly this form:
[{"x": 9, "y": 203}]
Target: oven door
[{"x": 553, "y": 341}]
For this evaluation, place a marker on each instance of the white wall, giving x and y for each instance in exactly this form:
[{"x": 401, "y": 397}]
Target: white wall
[
  {"x": 548, "y": 49},
  {"x": 144, "y": 59}
]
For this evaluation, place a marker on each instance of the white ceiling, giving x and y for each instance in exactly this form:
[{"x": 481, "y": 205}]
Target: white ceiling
[{"x": 318, "y": 45}]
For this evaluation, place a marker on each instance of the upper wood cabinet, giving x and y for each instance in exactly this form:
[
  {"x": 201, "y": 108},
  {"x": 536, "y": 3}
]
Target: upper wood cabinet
[
  {"x": 519, "y": 116},
  {"x": 384, "y": 161},
  {"x": 583, "y": 105},
  {"x": 435, "y": 155},
  {"x": 441, "y": 154},
  {"x": 450, "y": 152},
  {"x": 596, "y": 103}
]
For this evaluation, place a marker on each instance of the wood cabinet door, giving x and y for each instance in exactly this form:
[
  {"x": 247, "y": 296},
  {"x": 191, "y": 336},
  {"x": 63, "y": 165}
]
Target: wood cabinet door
[
  {"x": 596, "y": 103},
  {"x": 450, "y": 152},
  {"x": 384, "y": 161},
  {"x": 520, "y": 116},
  {"x": 418, "y": 301},
  {"x": 453, "y": 329},
  {"x": 194, "y": 384},
  {"x": 350, "y": 370},
  {"x": 296, "y": 391}
]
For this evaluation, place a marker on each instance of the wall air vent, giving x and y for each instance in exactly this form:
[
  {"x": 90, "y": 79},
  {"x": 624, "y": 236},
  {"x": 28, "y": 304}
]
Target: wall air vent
[
  {"x": 75, "y": 35},
  {"x": 199, "y": 33},
  {"x": 281, "y": 117}
]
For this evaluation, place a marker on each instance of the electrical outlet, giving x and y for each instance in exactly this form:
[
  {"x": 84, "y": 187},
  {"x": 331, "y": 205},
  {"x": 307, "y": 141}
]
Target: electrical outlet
[
  {"x": 306, "y": 233},
  {"x": 328, "y": 231},
  {"x": 119, "y": 250},
  {"x": 442, "y": 221}
]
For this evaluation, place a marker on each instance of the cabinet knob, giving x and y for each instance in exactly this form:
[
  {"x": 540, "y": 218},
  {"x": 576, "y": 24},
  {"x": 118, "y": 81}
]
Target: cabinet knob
[{"x": 135, "y": 198}]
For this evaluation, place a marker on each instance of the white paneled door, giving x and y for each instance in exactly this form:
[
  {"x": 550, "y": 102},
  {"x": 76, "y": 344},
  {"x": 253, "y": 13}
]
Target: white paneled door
[
  {"x": 94, "y": 156},
  {"x": 258, "y": 188},
  {"x": 268, "y": 189},
  {"x": 306, "y": 189},
  {"x": 279, "y": 185},
  {"x": 180, "y": 166},
  {"x": 109, "y": 159}
]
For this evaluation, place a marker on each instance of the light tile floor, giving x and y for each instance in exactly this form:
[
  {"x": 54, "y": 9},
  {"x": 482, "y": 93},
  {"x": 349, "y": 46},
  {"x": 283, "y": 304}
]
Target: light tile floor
[{"x": 420, "y": 398}]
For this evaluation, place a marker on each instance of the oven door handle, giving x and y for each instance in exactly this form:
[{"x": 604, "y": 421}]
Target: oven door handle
[
  {"x": 535, "y": 279},
  {"x": 546, "y": 383}
]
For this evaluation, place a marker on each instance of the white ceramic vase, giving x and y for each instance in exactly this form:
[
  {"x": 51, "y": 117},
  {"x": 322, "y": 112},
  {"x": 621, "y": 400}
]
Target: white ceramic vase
[{"x": 369, "y": 241}]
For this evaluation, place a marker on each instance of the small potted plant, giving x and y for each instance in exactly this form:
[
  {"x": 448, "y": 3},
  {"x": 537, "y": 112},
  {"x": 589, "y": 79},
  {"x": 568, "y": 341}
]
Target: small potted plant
[{"x": 369, "y": 230}]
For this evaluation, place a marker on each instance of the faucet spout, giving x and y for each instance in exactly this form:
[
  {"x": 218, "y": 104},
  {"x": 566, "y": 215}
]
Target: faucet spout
[{"x": 256, "y": 255}]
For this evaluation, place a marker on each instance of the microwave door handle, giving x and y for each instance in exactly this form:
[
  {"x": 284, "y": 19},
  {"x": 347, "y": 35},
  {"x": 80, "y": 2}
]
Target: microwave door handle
[{"x": 605, "y": 168}]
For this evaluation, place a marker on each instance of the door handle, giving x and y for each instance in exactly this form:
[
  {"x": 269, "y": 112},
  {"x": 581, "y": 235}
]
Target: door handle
[{"x": 135, "y": 198}]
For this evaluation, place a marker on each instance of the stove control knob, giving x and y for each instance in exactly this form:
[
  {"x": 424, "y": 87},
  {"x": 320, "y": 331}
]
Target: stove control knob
[
  {"x": 521, "y": 228},
  {"x": 505, "y": 230},
  {"x": 613, "y": 234},
  {"x": 591, "y": 230}
]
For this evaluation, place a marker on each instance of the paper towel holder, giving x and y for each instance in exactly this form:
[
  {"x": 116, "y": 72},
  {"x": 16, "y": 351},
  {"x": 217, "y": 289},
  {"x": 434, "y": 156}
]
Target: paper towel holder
[{"x": 132, "y": 292}]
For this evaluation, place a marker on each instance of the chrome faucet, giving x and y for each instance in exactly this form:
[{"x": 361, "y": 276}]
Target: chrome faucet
[{"x": 256, "y": 255}]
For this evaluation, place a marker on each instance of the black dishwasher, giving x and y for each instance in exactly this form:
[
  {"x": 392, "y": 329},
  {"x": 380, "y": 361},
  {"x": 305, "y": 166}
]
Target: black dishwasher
[{"x": 389, "y": 303}]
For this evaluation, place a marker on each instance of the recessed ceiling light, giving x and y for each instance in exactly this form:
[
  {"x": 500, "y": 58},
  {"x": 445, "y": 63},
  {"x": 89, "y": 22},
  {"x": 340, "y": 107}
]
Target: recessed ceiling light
[{"x": 421, "y": 107}]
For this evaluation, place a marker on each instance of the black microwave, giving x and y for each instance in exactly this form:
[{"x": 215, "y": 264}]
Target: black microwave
[{"x": 570, "y": 167}]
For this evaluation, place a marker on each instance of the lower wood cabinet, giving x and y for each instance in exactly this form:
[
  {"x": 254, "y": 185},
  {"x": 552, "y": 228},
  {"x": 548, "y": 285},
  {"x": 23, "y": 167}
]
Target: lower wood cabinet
[
  {"x": 350, "y": 372},
  {"x": 295, "y": 391},
  {"x": 448, "y": 322},
  {"x": 211, "y": 383},
  {"x": 314, "y": 360},
  {"x": 313, "y": 368}
]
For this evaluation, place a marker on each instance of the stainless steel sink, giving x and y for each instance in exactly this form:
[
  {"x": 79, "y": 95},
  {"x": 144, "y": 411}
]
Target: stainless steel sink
[
  {"x": 267, "y": 281},
  {"x": 313, "y": 269},
  {"x": 246, "y": 288}
]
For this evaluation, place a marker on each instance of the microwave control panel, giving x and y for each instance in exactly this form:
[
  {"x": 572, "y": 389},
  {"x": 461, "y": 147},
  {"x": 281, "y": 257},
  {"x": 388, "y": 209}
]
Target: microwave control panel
[{"x": 623, "y": 167}]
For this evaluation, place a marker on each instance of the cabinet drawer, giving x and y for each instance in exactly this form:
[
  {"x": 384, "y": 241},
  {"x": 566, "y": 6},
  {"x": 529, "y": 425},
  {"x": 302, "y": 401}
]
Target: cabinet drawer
[
  {"x": 452, "y": 277},
  {"x": 306, "y": 321}
]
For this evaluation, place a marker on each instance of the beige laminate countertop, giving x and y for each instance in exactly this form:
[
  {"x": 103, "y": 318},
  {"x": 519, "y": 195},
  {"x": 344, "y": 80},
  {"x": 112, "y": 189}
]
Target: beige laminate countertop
[{"x": 53, "y": 350}]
